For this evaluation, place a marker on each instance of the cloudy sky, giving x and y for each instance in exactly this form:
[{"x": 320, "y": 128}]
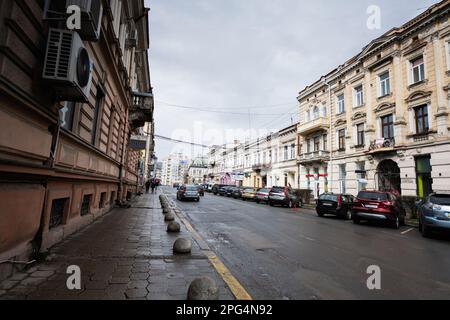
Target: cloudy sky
[{"x": 226, "y": 69}]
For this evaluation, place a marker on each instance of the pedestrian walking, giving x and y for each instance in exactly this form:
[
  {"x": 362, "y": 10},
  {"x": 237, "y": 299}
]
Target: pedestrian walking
[
  {"x": 153, "y": 185},
  {"x": 147, "y": 186}
]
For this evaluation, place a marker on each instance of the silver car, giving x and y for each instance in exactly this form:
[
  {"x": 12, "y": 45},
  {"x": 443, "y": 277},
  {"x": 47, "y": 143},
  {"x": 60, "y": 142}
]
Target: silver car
[
  {"x": 434, "y": 213},
  {"x": 188, "y": 192}
]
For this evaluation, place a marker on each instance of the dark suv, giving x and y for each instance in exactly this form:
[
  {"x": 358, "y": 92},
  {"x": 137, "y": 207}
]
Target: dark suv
[
  {"x": 336, "y": 204},
  {"x": 215, "y": 188},
  {"x": 284, "y": 196},
  {"x": 378, "y": 205}
]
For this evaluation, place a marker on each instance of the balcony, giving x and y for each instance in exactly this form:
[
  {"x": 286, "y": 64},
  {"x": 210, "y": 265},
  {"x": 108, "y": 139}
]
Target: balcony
[
  {"x": 321, "y": 123},
  {"x": 314, "y": 157},
  {"x": 259, "y": 167},
  {"x": 142, "y": 109},
  {"x": 381, "y": 145}
]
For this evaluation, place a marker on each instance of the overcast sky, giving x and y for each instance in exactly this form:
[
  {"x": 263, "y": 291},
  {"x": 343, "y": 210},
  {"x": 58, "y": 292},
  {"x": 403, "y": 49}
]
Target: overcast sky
[{"x": 250, "y": 58}]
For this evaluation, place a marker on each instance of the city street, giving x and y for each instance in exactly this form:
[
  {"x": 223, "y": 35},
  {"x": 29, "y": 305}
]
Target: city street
[{"x": 280, "y": 253}]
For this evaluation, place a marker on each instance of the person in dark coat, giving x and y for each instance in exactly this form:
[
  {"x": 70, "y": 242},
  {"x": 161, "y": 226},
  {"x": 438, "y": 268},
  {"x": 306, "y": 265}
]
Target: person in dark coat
[{"x": 147, "y": 186}]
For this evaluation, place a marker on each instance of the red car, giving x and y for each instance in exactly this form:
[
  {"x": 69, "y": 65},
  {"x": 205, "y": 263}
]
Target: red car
[{"x": 378, "y": 205}]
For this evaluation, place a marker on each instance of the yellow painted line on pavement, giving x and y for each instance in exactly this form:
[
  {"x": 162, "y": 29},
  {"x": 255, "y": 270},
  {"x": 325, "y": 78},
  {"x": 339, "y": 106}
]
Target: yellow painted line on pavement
[{"x": 236, "y": 288}]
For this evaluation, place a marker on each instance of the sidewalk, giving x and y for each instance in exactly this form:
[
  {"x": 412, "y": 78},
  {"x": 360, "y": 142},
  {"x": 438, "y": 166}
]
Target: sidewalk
[{"x": 127, "y": 254}]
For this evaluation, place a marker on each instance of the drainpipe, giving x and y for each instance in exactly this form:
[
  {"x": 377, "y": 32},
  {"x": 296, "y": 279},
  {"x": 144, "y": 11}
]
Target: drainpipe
[{"x": 330, "y": 184}]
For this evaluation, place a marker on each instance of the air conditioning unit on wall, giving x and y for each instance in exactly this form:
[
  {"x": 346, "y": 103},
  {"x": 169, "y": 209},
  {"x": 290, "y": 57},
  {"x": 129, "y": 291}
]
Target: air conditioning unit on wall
[
  {"x": 91, "y": 15},
  {"x": 68, "y": 66}
]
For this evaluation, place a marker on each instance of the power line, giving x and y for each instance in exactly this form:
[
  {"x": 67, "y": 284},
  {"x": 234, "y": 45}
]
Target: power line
[
  {"x": 225, "y": 108},
  {"x": 181, "y": 141}
]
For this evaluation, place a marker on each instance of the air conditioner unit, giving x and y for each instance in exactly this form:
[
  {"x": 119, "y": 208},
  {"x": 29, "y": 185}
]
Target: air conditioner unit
[
  {"x": 91, "y": 15},
  {"x": 68, "y": 66}
]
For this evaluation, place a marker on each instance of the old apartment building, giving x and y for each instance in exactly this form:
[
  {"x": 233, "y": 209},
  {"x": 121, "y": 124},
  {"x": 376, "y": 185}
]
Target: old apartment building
[
  {"x": 381, "y": 119},
  {"x": 267, "y": 161},
  {"x": 69, "y": 102}
]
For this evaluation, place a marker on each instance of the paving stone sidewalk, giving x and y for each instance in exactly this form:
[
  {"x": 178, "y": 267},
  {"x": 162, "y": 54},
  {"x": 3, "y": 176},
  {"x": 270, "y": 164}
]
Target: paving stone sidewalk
[{"x": 126, "y": 254}]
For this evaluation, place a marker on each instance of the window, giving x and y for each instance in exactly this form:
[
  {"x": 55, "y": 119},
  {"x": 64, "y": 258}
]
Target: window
[
  {"x": 66, "y": 115},
  {"x": 316, "y": 144},
  {"x": 417, "y": 70},
  {"x": 387, "y": 126},
  {"x": 421, "y": 117},
  {"x": 341, "y": 104},
  {"x": 316, "y": 113},
  {"x": 360, "y": 134},
  {"x": 385, "y": 84},
  {"x": 285, "y": 154},
  {"x": 341, "y": 139},
  {"x": 98, "y": 105},
  {"x": 361, "y": 175},
  {"x": 85, "y": 205},
  {"x": 423, "y": 174},
  {"x": 359, "y": 96},
  {"x": 325, "y": 142},
  {"x": 293, "y": 151},
  {"x": 308, "y": 145},
  {"x": 57, "y": 213}
]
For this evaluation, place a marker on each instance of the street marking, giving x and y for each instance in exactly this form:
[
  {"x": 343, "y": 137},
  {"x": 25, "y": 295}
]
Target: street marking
[
  {"x": 404, "y": 232},
  {"x": 236, "y": 288}
]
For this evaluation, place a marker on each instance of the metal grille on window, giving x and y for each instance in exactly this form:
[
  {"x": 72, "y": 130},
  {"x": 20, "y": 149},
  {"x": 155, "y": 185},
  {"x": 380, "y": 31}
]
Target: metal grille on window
[
  {"x": 57, "y": 213},
  {"x": 86, "y": 204}
]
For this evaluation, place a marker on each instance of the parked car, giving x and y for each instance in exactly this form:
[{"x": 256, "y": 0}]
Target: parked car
[
  {"x": 284, "y": 196},
  {"x": 223, "y": 190},
  {"x": 248, "y": 194},
  {"x": 201, "y": 190},
  {"x": 188, "y": 192},
  {"x": 215, "y": 188},
  {"x": 434, "y": 213},
  {"x": 336, "y": 204},
  {"x": 262, "y": 195},
  {"x": 208, "y": 187},
  {"x": 237, "y": 192},
  {"x": 378, "y": 205},
  {"x": 229, "y": 191}
]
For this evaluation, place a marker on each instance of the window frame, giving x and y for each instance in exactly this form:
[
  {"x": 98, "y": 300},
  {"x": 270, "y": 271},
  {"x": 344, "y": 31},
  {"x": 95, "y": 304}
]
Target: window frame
[
  {"x": 340, "y": 103},
  {"x": 341, "y": 140},
  {"x": 360, "y": 135},
  {"x": 421, "y": 68},
  {"x": 388, "y": 124},
  {"x": 384, "y": 86},
  {"x": 423, "y": 119},
  {"x": 358, "y": 94}
]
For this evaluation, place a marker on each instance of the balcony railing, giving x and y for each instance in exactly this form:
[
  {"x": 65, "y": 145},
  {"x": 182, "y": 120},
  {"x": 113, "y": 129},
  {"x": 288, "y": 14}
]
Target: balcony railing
[
  {"x": 316, "y": 156},
  {"x": 258, "y": 167},
  {"x": 382, "y": 145},
  {"x": 321, "y": 123},
  {"x": 141, "y": 110}
]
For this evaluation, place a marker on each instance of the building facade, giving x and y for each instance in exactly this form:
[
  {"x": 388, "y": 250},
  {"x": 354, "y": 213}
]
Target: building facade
[
  {"x": 174, "y": 169},
  {"x": 197, "y": 172},
  {"x": 380, "y": 121},
  {"x": 69, "y": 103}
]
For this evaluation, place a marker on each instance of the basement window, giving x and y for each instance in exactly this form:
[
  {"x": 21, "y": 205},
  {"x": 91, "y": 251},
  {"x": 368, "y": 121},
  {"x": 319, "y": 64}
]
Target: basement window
[
  {"x": 57, "y": 213},
  {"x": 85, "y": 205}
]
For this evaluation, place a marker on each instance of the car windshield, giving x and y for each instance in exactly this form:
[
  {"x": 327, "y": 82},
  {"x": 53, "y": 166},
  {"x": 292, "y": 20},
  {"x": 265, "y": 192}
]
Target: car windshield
[
  {"x": 440, "y": 199},
  {"x": 378, "y": 196},
  {"x": 330, "y": 197},
  {"x": 191, "y": 188},
  {"x": 278, "y": 189},
  {"x": 248, "y": 190}
]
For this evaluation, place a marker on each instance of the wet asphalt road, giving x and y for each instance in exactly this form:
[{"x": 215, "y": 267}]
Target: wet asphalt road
[{"x": 279, "y": 253}]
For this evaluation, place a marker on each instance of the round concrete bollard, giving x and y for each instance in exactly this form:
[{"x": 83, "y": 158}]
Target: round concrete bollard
[
  {"x": 182, "y": 245},
  {"x": 166, "y": 210},
  {"x": 203, "y": 288},
  {"x": 173, "y": 226},
  {"x": 169, "y": 217}
]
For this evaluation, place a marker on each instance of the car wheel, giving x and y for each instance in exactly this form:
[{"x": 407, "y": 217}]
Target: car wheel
[
  {"x": 347, "y": 215},
  {"x": 290, "y": 204},
  {"x": 257, "y": 201},
  {"x": 271, "y": 204},
  {"x": 243, "y": 199},
  {"x": 356, "y": 220},
  {"x": 396, "y": 223},
  {"x": 426, "y": 232},
  {"x": 320, "y": 214}
]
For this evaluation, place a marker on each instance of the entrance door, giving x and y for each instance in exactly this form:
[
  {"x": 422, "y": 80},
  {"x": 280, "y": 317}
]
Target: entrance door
[{"x": 388, "y": 173}]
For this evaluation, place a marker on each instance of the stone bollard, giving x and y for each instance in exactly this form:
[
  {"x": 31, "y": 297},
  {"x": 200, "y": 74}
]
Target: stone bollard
[
  {"x": 169, "y": 217},
  {"x": 182, "y": 245},
  {"x": 166, "y": 210},
  {"x": 173, "y": 226},
  {"x": 203, "y": 288}
]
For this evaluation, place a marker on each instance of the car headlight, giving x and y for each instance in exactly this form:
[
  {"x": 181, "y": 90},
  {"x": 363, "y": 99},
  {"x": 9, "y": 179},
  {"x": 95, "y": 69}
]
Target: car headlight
[{"x": 436, "y": 207}]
